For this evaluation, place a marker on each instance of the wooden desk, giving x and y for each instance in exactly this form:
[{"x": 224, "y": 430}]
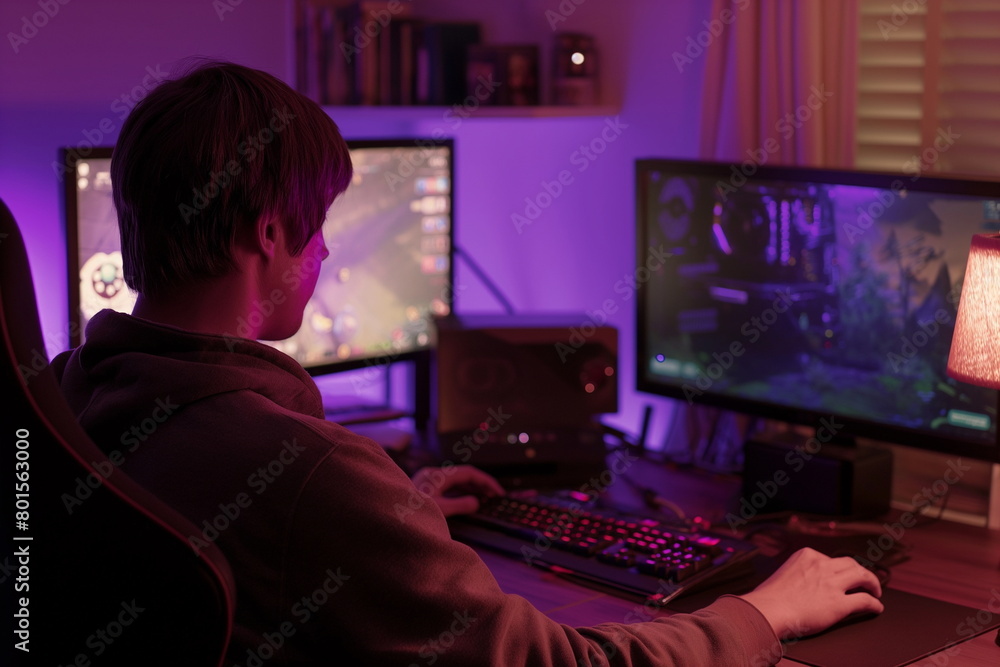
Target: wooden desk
[{"x": 951, "y": 562}]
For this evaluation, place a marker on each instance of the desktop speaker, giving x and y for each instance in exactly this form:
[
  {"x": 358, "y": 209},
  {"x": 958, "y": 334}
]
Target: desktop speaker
[
  {"x": 788, "y": 472},
  {"x": 518, "y": 395}
]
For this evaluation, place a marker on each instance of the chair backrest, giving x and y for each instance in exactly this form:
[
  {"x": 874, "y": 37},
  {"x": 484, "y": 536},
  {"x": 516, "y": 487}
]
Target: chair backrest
[{"x": 113, "y": 580}]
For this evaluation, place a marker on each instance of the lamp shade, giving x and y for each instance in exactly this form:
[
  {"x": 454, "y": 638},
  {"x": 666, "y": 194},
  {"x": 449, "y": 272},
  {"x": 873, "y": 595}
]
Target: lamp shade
[{"x": 975, "y": 348}]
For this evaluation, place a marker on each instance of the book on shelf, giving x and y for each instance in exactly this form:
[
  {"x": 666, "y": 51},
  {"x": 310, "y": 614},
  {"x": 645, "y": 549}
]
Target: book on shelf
[
  {"x": 441, "y": 59},
  {"x": 335, "y": 87},
  {"x": 503, "y": 74},
  {"x": 371, "y": 26},
  {"x": 409, "y": 33},
  {"x": 375, "y": 52},
  {"x": 397, "y": 55}
]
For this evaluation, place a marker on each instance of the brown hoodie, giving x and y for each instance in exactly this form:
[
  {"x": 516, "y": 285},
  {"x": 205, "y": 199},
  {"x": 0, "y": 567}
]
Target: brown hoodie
[{"x": 231, "y": 433}]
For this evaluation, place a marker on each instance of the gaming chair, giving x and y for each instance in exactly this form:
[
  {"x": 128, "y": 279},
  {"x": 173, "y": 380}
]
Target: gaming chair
[{"x": 115, "y": 580}]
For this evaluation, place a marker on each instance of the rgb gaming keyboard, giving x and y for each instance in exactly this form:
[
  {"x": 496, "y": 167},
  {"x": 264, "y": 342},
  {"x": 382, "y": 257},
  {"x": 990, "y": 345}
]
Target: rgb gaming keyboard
[{"x": 658, "y": 560}]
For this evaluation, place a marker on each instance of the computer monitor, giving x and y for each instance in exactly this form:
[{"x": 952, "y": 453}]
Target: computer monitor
[
  {"x": 802, "y": 294},
  {"x": 93, "y": 244},
  {"x": 389, "y": 271}
]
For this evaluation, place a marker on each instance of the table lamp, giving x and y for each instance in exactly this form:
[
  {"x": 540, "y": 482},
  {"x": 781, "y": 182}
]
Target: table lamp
[{"x": 975, "y": 347}]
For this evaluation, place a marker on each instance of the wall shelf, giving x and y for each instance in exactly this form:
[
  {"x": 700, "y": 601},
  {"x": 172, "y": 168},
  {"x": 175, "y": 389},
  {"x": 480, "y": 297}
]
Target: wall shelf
[{"x": 391, "y": 112}]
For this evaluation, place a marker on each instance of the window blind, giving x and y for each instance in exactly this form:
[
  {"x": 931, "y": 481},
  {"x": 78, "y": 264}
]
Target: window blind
[{"x": 929, "y": 86}]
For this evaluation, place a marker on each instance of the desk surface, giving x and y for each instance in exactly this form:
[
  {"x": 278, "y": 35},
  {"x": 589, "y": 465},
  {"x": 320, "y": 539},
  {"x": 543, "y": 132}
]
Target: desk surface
[{"x": 948, "y": 561}]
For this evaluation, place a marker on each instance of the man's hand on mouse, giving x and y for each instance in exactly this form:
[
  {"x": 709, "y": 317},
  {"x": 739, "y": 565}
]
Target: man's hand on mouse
[
  {"x": 456, "y": 489},
  {"x": 809, "y": 593}
]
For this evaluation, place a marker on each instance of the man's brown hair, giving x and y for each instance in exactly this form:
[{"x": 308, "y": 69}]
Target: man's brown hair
[{"x": 204, "y": 156}]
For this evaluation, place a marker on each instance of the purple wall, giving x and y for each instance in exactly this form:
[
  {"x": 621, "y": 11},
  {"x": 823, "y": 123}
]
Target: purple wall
[
  {"x": 64, "y": 87},
  {"x": 64, "y": 81}
]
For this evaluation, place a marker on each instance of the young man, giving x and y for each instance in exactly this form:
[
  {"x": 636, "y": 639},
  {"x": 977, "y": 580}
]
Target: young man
[{"x": 222, "y": 179}]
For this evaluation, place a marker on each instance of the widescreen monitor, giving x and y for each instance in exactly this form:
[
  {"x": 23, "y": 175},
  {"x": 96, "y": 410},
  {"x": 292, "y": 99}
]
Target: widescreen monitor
[
  {"x": 388, "y": 274},
  {"x": 801, "y": 294}
]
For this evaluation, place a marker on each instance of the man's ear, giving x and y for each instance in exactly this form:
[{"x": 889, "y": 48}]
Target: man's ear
[{"x": 267, "y": 233}]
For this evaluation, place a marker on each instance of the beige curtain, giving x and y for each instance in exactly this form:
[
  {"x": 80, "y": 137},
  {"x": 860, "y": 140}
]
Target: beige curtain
[{"x": 780, "y": 82}]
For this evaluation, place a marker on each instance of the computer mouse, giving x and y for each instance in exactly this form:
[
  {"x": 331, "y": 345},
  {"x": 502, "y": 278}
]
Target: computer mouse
[
  {"x": 883, "y": 579},
  {"x": 882, "y": 573}
]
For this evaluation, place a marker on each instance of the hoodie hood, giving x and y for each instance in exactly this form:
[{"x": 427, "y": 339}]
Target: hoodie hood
[{"x": 129, "y": 366}]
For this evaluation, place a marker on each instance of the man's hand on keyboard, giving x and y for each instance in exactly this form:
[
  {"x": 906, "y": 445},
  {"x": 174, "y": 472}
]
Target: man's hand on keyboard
[
  {"x": 809, "y": 593},
  {"x": 456, "y": 489}
]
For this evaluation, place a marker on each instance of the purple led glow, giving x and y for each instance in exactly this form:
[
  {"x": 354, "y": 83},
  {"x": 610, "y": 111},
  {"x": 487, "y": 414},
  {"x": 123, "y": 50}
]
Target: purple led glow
[{"x": 721, "y": 240}]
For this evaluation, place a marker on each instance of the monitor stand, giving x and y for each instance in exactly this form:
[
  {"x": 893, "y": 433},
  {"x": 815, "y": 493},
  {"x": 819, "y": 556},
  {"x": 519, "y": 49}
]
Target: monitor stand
[
  {"x": 349, "y": 410},
  {"x": 817, "y": 475},
  {"x": 390, "y": 427},
  {"x": 361, "y": 403},
  {"x": 993, "y": 512}
]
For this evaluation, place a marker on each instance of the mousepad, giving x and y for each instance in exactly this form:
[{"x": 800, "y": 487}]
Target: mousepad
[{"x": 911, "y": 627}]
